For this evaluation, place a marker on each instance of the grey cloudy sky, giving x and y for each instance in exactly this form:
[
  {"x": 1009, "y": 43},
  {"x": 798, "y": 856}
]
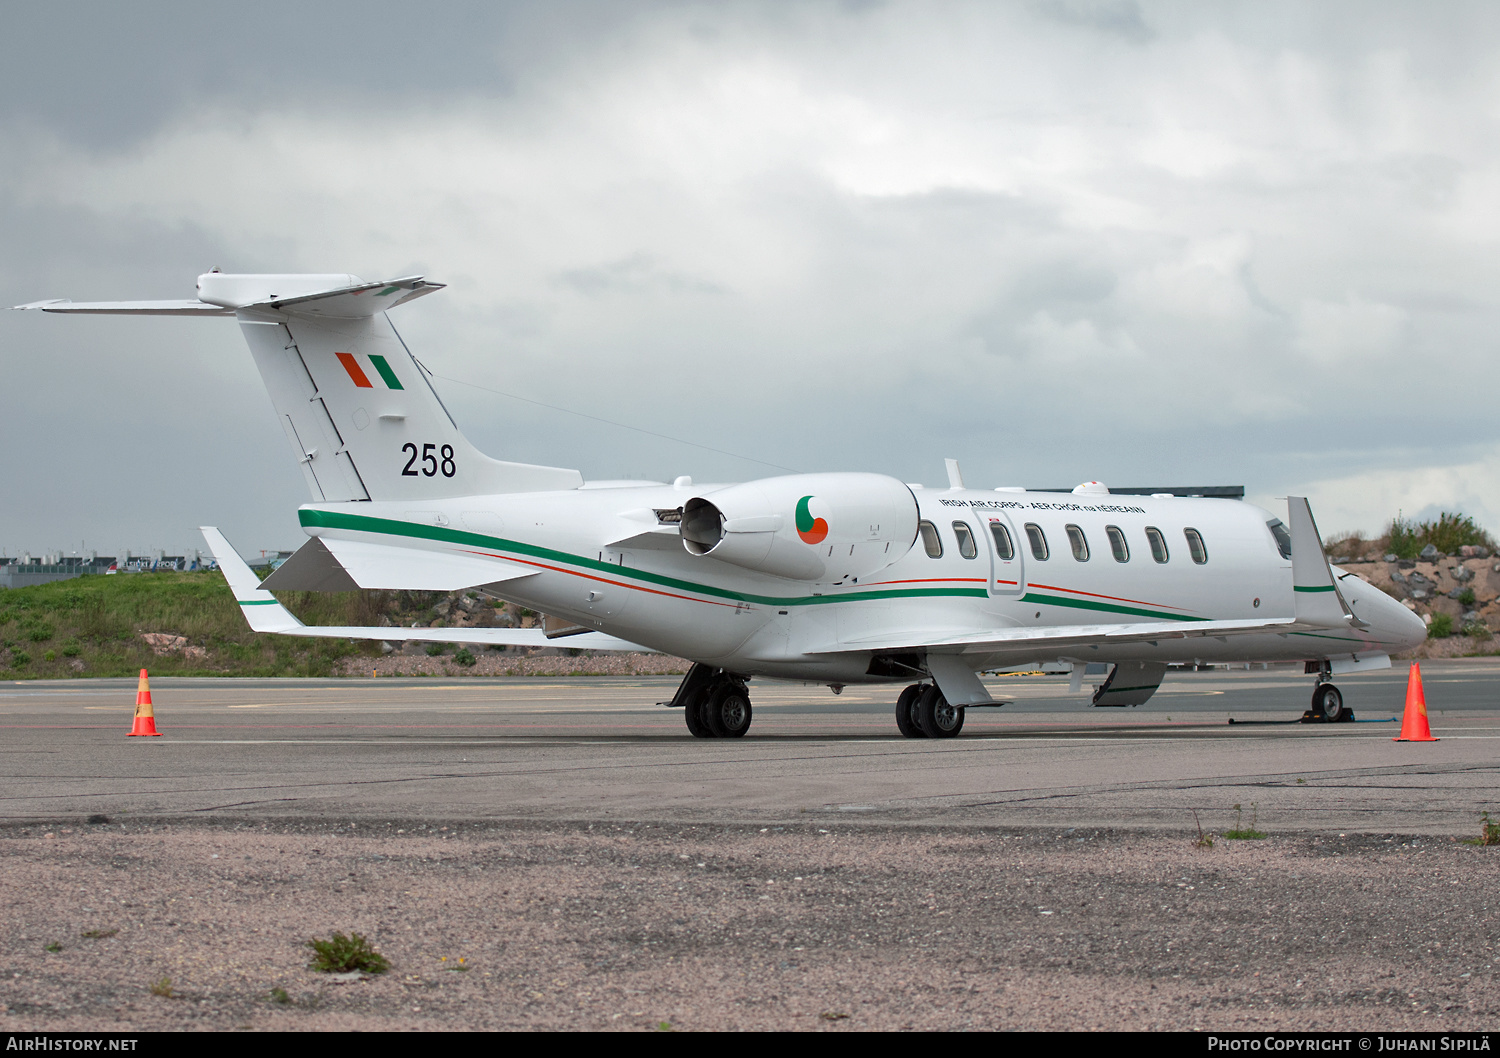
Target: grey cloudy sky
[{"x": 1150, "y": 243}]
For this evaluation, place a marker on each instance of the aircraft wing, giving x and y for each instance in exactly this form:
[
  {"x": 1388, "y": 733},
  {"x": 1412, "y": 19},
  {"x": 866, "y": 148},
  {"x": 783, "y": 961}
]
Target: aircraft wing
[{"x": 265, "y": 614}]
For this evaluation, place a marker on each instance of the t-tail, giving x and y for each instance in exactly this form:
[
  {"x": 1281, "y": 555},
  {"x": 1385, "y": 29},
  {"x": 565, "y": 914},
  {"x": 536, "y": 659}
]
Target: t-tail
[{"x": 362, "y": 416}]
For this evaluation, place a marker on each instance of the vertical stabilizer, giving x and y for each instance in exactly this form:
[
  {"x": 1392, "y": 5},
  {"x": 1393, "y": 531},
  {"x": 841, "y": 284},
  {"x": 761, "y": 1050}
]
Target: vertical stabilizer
[{"x": 359, "y": 411}]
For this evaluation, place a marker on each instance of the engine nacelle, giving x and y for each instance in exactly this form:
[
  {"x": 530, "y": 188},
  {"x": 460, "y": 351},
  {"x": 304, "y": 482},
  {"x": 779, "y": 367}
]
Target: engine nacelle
[{"x": 817, "y": 527}]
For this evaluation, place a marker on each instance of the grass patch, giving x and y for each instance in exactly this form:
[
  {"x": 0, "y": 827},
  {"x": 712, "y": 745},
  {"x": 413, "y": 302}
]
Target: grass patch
[
  {"x": 279, "y": 995},
  {"x": 162, "y": 986},
  {"x": 1241, "y": 832},
  {"x": 340, "y": 955},
  {"x": 1489, "y": 832},
  {"x": 92, "y": 626}
]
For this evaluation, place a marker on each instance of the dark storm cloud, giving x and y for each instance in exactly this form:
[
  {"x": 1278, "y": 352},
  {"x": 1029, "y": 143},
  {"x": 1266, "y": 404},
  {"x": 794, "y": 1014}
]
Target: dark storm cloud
[{"x": 1060, "y": 240}]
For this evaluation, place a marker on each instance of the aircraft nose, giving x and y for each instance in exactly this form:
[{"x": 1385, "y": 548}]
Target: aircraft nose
[{"x": 1403, "y": 625}]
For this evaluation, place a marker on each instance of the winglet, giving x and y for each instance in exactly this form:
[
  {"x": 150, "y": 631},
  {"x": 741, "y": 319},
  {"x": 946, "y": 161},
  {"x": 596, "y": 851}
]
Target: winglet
[
  {"x": 1315, "y": 593},
  {"x": 260, "y": 607}
]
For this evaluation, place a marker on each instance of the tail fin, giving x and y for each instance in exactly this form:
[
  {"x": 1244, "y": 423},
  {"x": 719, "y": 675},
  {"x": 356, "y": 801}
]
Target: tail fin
[{"x": 359, "y": 411}]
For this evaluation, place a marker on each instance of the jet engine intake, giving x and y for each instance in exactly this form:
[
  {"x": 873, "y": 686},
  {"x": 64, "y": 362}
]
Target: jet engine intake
[{"x": 812, "y": 527}]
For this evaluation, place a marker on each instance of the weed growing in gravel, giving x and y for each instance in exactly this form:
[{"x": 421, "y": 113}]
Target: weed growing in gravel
[
  {"x": 1489, "y": 833},
  {"x": 1205, "y": 841},
  {"x": 54, "y": 948},
  {"x": 1244, "y": 833},
  {"x": 340, "y": 954},
  {"x": 98, "y": 934},
  {"x": 162, "y": 986},
  {"x": 278, "y": 995}
]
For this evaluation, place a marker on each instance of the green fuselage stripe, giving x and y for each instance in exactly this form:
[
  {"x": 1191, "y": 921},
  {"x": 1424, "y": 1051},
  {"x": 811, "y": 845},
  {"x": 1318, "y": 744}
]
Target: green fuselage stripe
[
  {"x": 258, "y": 602},
  {"x": 390, "y": 527},
  {"x": 1326, "y": 587},
  {"x": 1107, "y": 607}
]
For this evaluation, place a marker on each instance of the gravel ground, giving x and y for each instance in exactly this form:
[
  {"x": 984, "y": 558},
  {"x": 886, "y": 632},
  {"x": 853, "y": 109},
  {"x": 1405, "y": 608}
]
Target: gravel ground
[{"x": 836, "y": 926}]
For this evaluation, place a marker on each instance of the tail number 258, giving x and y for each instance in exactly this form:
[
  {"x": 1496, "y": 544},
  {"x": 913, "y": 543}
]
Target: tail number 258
[{"x": 434, "y": 460}]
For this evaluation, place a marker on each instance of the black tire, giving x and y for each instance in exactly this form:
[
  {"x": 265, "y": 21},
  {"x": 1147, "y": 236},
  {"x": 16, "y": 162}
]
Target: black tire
[
  {"x": 936, "y": 717},
  {"x": 692, "y": 712},
  {"x": 727, "y": 713},
  {"x": 906, "y": 712},
  {"x": 1328, "y": 703}
]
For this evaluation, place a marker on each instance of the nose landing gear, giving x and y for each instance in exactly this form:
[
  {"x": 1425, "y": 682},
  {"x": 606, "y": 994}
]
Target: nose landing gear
[{"x": 1327, "y": 702}]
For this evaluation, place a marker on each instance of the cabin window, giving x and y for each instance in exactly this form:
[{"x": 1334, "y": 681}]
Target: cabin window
[
  {"x": 1038, "y": 541},
  {"x": 1117, "y": 545},
  {"x": 931, "y": 542},
  {"x": 965, "y": 536},
  {"x": 1195, "y": 546},
  {"x": 1282, "y": 537},
  {"x": 1004, "y": 549},
  {"x": 1079, "y": 543},
  {"x": 1158, "y": 543}
]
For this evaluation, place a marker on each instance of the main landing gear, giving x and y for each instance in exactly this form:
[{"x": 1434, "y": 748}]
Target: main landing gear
[
  {"x": 923, "y": 712},
  {"x": 1327, "y": 701},
  {"x": 714, "y": 703}
]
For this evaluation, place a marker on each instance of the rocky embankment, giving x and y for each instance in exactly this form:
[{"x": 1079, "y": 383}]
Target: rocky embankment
[{"x": 1465, "y": 587}]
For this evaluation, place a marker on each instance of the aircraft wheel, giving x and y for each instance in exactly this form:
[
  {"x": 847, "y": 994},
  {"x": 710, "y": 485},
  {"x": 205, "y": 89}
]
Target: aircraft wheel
[
  {"x": 1328, "y": 702},
  {"x": 936, "y": 717},
  {"x": 906, "y": 712},
  {"x": 727, "y": 711},
  {"x": 693, "y": 712}
]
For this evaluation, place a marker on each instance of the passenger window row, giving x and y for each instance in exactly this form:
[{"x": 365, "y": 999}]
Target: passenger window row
[{"x": 932, "y": 542}]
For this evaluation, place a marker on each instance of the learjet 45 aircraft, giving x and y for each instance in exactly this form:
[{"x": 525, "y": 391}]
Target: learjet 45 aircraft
[{"x": 833, "y": 578}]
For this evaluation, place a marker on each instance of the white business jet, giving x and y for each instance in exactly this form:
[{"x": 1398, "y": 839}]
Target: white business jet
[{"x": 826, "y": 578}]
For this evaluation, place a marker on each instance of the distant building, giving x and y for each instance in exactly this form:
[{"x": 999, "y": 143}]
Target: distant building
[{"x": 27, "y": 570}]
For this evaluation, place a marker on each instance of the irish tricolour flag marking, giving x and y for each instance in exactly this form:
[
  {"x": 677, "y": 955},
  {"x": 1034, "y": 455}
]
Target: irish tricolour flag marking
[{"x": 362, "y": 380}]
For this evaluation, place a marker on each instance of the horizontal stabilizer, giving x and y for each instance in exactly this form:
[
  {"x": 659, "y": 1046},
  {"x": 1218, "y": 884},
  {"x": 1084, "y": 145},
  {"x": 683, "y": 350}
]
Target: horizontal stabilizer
[
  {"x": 224, "y": 294},
  {"x": 130, "y": 308}
]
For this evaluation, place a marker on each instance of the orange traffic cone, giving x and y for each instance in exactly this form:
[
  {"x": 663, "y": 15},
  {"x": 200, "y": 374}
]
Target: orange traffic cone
[
  {"x": 145, "y": 719},
  {"x": 1414, "y": 724}
]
